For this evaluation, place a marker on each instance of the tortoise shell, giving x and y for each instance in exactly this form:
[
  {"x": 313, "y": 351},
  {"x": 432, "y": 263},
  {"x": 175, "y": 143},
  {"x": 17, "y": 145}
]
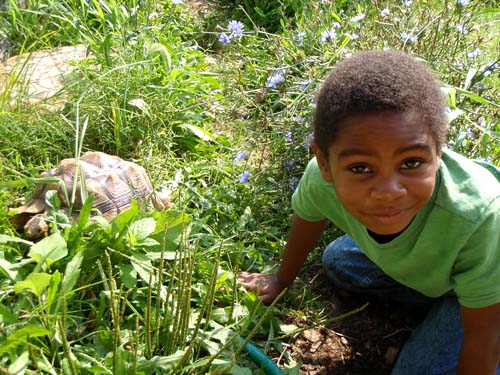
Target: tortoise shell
[{"x": 112, "y": 181}]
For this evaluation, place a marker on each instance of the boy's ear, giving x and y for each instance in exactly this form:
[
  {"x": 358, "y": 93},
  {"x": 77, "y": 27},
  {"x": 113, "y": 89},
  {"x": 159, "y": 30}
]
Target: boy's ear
[{"x": 322, "y": 162}]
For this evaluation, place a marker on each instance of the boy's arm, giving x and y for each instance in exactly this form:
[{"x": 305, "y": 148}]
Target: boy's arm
[
  {"x": 301, "y": 240},
  {"x": 480, "y": 352}
]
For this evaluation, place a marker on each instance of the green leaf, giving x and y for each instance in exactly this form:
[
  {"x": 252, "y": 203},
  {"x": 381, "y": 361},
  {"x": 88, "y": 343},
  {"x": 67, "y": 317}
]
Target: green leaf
[
  {"x": 159, "y": 362},
  {"x": 35, "y": 282},
  {"x": 52, "y": 290},
  {"x": 6, "y": 239},
  {"x": 143, "y": 228},
  {"x": 197, "y": 131},
  {"x": 72, "y": 273},
  {"x": 21, "y": 336},
  {"x": 128, "y": 275},
  {"x": 49, "y": 250},
  {"x": 6, "y": 316},
  {"x": 20, "y": 364},
  {"x": 142, "y": 265},
  {"x": 171, "y": 225},
  {"x": 8, "y": 269}
]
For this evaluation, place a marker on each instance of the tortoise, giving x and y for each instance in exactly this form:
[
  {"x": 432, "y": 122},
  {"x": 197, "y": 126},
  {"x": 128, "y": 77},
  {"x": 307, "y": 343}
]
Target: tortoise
[{"x": 112, "y": 181}]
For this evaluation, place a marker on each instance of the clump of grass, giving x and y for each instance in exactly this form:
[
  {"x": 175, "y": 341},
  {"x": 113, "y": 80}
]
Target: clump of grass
[{"x": 227, "y": 129}]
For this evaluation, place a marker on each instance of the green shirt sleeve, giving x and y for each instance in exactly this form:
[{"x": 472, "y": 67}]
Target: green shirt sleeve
[{"x": 476, "y": 272}]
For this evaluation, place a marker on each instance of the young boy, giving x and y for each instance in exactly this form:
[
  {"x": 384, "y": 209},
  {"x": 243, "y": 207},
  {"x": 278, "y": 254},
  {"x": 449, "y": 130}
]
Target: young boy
[{"x": 422, "y": 223}]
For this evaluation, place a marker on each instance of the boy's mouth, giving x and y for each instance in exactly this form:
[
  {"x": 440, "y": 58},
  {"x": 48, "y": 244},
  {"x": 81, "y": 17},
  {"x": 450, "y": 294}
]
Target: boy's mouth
[{"x": 388, "y": 216}]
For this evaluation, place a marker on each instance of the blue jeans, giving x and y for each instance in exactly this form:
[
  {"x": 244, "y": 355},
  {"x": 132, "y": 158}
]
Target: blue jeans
[{"x": 433, "y": 348}]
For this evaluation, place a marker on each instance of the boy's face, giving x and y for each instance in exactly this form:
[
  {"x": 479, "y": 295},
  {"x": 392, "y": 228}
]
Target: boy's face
[{"x": 383, "y": 166}]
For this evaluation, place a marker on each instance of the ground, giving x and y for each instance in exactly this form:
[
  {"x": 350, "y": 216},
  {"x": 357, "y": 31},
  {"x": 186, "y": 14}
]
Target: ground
[{"x": 366, "y": 342}]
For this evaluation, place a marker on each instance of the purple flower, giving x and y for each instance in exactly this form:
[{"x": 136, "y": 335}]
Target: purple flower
[
  {"x": 177, "y": 2},
  {"x": 309, "y": 140},
  {"x": 474, "y": 53},
  {"x": 289, "y": 164},
  {"x": 385, "y": 12},
  {"x": 236, "y": 28},
  {"x": 288, "y": 137},
  {"x": 275, "y": 79},
  {"x": 461, "y": 28},
  {"x": 224, "y": 39},
  {"x": 244, "y": 177},
  {"x": 357, "y": 18},
  {"x": 297, "y": 118},
  {"x": 328, "y": 36},
  {"x": 240, "y": 156},
  {"x": 408, "y": 37},
  {"x": 300, "y": 36},
  {"x": 469, "y": 133},
  {"x": 292, "y": 183},
  {"x": 407, "y": 3},
  {"x": 488, "y": 159},
  {"x": 463, "y": 3}
]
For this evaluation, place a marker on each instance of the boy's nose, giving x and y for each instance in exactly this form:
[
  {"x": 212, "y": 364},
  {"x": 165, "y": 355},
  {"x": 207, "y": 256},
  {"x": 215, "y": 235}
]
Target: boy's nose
[{"x": 388, "y": 188}]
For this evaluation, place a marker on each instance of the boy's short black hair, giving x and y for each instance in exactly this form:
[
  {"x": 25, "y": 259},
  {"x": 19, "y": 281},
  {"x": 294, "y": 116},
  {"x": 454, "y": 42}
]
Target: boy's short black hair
[{"x": 377, "y": 81}]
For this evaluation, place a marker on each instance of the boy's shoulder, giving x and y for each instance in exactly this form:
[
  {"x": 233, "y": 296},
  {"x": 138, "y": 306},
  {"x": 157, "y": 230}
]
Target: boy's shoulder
[{"x": 466, "y": 187}]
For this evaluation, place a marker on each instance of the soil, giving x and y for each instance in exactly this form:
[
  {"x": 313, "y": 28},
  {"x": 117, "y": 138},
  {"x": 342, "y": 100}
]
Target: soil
[{"x": 366, "y": 342}]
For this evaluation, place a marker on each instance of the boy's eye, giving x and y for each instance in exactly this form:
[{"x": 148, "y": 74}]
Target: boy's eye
[
  {"x": 411, "y": 164},
  {"x": 360, "y": 169}
]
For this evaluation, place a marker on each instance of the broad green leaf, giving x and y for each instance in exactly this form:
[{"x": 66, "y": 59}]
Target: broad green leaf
[
  {"x": 143, "y": 228},
  {"x": 171, "y": 225},
  {"x": 35, "y": 282},
  {"x": 49, "y": 250},
  {"x": 8, "y": 269},
  {"x": 52, "y": 290},
  {"x": 21, "y": 336},
  {"x": 72, "y": 273},
  {"x": 20, "y": 364},
  {"x": 197, "y": 131},
  {"x": 128, "y": 275},
  {"x": 6, "y": 316},
  {"x": 142, "y": 265},
  {"x": 159, "y": 362},
  {"x": 6, "y": 239}
]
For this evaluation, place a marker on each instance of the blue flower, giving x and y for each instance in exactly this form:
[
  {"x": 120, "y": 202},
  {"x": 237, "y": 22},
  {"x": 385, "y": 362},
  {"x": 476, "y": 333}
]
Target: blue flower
[
  {"x": 288, "y": 137},
  {"x": 357, "y": 18},
  {"x": 244, "y": 177},
  {"x": 303, "y": 85},
  {"x": 275, "y": 79},
  {"x": 297, "y": 118},
  {"x": 385, "y": 12},
  {"x": 463, "y": 3},
  {"x": 408, "y": 37},
  {"x": 328, "y": 36},
  {"x": 300, "y": 36},
  {"x": 240, "y": 156},
  {"x": 487, "y": 159},
  {"x": 407, "y": 3},
  {"x": 177, "y": 2},
  {"x": 474, "y": 53},
  {"x": 289, "y": 164},
  {"x": 236, "y": 28},
  {"x": 309, "y": 140},
  {"x": 292, "y": 183},
  {"x": 224, "y": 39},
  {"x": 461, "y": 28}
]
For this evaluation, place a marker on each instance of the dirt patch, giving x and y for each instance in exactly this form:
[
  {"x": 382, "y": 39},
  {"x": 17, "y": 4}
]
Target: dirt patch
[{"x": 366, "y": 342}]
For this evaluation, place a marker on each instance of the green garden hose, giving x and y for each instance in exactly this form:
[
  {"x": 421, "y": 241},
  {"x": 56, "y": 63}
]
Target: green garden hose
[{"x": 262, "y": 360}]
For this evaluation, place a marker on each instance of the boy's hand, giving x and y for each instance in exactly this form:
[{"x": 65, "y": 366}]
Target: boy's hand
[{"x": 267, "y": 287}]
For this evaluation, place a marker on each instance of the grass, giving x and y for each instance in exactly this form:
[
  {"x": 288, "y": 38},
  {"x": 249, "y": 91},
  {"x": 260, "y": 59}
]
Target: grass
[{"x": 156, "y": 292}]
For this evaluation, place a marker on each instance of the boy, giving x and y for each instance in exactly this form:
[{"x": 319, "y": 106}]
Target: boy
[{"x": 422, "y": 223}]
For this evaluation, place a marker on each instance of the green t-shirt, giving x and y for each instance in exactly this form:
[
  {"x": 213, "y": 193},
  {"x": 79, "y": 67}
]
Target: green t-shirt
[{"x": 452, "y": 243}]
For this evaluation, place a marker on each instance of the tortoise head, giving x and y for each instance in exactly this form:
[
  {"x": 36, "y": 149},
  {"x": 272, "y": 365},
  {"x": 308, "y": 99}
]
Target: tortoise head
[{"x": 36, "y": 227}]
